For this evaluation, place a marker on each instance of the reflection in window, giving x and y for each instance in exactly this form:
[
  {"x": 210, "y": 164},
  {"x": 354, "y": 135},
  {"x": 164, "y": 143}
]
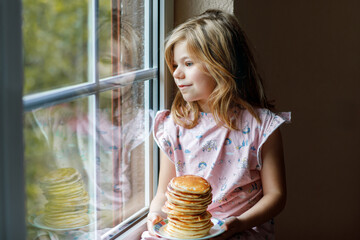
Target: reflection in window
[
  {"x": 122, "y": 136},
  {"x": 60, "y": 137},
  {"x": 86, "y": 157},
  {"x": 58, "y": 166},
  {"x": 121, "y": 39}
]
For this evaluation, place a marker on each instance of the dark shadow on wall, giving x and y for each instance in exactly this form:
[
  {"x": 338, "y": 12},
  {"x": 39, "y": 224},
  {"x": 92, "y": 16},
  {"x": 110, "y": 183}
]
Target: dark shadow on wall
[{"x": 309, "y": 54}]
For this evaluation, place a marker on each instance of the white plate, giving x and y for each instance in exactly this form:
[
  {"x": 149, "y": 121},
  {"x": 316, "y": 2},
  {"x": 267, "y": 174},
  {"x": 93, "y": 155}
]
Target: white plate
[
  {"x": 216, "y": 230},
  {"x": 38, "y": 222}
]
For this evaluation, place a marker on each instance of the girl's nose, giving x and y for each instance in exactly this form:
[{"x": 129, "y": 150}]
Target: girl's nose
[{"x": 178, "y": 73}]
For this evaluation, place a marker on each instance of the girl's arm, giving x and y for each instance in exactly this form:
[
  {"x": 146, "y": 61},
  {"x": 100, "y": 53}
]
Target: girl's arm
[
  {"x": 274, "y": 189},
  {"x": 167, "y": 172}
]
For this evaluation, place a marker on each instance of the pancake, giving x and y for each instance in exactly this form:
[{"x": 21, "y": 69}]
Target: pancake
[
  {"x": 68, "y": 200},
  {"x": 68, "y": 221},
  {"x": 176, "y": 199},
  {"x": 176, "y": 210},
  {"x": 191, "y": 218},
  {"x": 186, "y": 233},
  {"x": 190, "y": 184},
  {"x": 61, "y": 175},
  {"x": 190, "y": 227},
  {"x": 188, "y": 198}
]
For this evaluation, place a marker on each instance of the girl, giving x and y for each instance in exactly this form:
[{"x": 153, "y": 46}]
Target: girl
[{"x": 220, "y": 128}]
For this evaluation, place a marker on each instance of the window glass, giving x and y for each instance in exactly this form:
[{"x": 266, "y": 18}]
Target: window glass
[
  {"x": 123, "y": 133},
  {"x": 59, "y": 142},
  {"x": 121, "y": 37},
  {"x": 59, "y": 167},
  {"x": 55, "y": 37},
  {"x": 87, "y": 152}
]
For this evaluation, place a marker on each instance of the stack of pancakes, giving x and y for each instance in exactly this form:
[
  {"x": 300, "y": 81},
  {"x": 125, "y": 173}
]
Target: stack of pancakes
[
  {"x": 188, "y": 197},
  {"x": 68, "y": 200}
]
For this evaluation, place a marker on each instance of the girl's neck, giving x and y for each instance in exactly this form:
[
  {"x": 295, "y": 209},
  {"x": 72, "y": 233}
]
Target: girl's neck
[{"x": 204, "y": 107}]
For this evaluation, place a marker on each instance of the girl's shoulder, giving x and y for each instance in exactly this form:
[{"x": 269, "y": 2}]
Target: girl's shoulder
[
  {"x": 262, "y": 113},
  {"x": 164, "y": 127},
  {"x": 265, "y": 116},
  {"x": 162, "y": 115},
  {"x": 163, "y": 120}
]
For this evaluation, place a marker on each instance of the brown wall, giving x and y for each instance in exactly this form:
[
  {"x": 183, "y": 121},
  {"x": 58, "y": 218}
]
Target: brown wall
[
  {"x": 309, "y": 52},
  {"x": 184, "y": 9}
]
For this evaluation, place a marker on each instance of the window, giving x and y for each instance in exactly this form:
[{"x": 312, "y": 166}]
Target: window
[
  {"x": 90, "y": 90},
  {"x": 63, "y": 86}
]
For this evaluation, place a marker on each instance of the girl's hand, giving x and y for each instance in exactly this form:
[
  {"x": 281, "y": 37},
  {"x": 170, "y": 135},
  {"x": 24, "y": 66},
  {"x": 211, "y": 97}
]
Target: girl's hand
[
  {"x": 232, "y": 226},
  {"x": 152, "y": 219}
]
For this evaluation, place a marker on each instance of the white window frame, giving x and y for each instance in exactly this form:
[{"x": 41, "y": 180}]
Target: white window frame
[
  {"x": 13, "y": 105},
  {"x": 166, "y": 24}
]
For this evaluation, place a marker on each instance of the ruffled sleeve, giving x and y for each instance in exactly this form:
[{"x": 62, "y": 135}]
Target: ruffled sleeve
[
  {"x": 269, "y": 123},
  {"x": 163, "y": 125}
]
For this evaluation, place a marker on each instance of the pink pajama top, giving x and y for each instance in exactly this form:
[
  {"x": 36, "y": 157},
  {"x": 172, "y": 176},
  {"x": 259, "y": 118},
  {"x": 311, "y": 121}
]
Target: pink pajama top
[{"x": 230, "y": 160}]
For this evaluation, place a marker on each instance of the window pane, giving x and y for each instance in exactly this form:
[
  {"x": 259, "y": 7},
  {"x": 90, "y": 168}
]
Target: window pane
[
  {"x": 107, "y": 149},
  {"x": 55, "y": 36},
  {"x": 124, "y": 129},
  {"x": 87, "y": 160},
  {"x": 121, "y": 37},
  {"x": 59, "y": 164}
]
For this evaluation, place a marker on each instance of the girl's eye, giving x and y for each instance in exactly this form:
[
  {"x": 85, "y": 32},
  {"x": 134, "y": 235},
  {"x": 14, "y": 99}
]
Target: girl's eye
[
  {"x": 188, "y": 64},
  {"x": 174, "y": 66}
]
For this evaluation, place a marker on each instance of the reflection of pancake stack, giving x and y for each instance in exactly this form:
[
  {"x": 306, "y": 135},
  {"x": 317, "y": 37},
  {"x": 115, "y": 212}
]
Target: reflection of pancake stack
[
  {"x": 186, "y": 207},
  {"x": 68, "y": 200}
]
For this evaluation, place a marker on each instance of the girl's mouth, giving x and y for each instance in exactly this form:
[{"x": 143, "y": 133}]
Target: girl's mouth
[{"x": 184, "y": 86}]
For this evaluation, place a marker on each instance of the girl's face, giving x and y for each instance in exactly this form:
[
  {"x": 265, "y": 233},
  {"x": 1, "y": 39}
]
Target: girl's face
[{"x": 194, "y": 83}]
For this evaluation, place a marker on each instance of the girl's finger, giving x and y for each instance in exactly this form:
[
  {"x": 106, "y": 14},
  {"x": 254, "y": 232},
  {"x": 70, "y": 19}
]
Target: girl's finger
[{"x": 152, "y": 220}]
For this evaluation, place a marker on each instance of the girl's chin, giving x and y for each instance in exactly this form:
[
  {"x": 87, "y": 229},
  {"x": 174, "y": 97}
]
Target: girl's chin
[{"x": 188, "y": 98}]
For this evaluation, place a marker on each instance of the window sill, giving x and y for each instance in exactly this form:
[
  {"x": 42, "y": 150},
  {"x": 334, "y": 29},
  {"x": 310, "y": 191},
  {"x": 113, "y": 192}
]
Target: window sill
[{"x": 135, "y": 232}]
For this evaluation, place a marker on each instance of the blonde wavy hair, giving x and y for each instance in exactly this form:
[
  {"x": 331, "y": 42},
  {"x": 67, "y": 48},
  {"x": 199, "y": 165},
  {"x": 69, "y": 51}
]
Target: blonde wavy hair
[{"x": 216, "y": 39}]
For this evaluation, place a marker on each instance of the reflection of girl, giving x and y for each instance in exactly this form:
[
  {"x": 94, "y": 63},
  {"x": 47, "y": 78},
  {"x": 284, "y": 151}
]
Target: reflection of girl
[
  {"x": 221, "y": 95},
  {"x": 67, "y": 133},
  {"x": 120, "y": 127}
]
